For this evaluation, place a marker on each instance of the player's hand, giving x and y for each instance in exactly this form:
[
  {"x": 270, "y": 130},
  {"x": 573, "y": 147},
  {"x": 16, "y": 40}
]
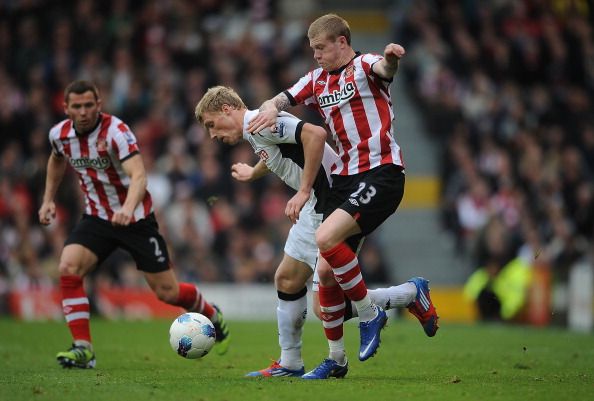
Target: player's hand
[
  {"x": 121, "y": 218},
  {"x": 242, "y": 172},
  {"x": 47, "y": 213},
  {"x": 393, "y": 52},
  {"x": 266, "y": 118},
  {"x": 295, "y": 205}
]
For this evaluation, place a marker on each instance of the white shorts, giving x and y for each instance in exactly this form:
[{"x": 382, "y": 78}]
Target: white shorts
[
  {"x": 315, "y": 282},
  {"x": 301, "y": 241}
]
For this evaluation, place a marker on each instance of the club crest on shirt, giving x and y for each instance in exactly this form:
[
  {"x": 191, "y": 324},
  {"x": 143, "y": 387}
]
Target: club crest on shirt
[{"x": 349, "y": 71}]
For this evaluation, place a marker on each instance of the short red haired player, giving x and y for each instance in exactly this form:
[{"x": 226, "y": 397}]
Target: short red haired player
[{"x": 351, "y": 92}]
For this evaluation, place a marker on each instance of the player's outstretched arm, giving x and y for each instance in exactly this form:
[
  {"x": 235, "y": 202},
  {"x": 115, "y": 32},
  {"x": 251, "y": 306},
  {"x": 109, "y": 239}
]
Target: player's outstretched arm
[
  {"x": 56, "y": 165},
  {"x": 134, "y": 168},
  {"x": 266, "y": 117},
  {"x": 387, "y": 67},
  {"x": 245, "y": 173},
  {"x": 313, "y": 139}
]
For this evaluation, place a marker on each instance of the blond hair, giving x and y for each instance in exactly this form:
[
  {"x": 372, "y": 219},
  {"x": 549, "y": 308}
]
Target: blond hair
[
  {"x": 214, "y": 99},
  {"x": 330, "y": 25}
]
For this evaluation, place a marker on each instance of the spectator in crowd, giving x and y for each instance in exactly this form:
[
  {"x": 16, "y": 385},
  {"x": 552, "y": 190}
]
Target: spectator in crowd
[
  {"x": 499, "y": 287},
  {"x": 507, "y": 87}
]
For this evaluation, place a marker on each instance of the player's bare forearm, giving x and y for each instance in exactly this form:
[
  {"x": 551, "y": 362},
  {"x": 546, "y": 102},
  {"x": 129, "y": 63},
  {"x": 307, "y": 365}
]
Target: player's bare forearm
[
  {"x": 313, "y": 139},
  {"x": 388, "y": 70},
  {"x": 56, "y": 166},
  {"x": 268, "y": 106},
  {"x": 281, "y": 102},
  {"x": 388, "y": 66},
  {"x": 245, "y": 173},
  {"x": 134, "y": 168},
  {"x": 278, "y": 103},
  {"x": 136, "y": 191},
  {"x": 268, "y": 113},
  {"x": 260, "y": 170}
]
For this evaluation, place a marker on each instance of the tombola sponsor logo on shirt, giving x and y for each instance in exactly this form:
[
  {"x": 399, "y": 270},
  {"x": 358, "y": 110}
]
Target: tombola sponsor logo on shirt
[
  {"x": 100, "y": 163},
  {"x": 333, "y": 98}
]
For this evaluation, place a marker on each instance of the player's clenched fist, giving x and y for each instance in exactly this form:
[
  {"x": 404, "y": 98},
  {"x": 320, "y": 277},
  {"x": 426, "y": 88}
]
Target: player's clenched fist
[
  {"x": 242, "y": 172},
  {"x": 393, "y": 50},
  {"x": 47, "y": 212},
  {"x": 121, "y": 218}
]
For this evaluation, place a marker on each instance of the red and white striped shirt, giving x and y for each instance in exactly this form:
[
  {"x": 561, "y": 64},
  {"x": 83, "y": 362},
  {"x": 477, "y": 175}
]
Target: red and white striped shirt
[
  {"x": 97, "y": 159},
  {"x": 356, "y": 106}
]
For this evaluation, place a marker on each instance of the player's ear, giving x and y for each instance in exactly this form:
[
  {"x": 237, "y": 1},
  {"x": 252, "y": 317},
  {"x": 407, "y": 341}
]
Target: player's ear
[
  {"x": 65, "y": 104},
  {"x": 99, "y": 104}
]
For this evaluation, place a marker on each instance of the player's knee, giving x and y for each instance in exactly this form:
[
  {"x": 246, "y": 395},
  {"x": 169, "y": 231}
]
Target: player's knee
[
  {"x": 287, "y": 283},
  {"x": 324, "y": 240},
  {"x": 69, "y": 268}
]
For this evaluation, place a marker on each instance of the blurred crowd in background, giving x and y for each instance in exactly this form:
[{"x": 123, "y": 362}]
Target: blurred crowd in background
[
  {"x": 152, "y": 61},
  {"x": 505, "y": 87}
]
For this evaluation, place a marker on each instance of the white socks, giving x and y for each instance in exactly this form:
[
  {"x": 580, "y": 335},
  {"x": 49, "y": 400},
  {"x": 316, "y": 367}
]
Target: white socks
[
  {"x": 365, "y": 309},
  {"x": 84, "y": 343},
  {"x": 398, "y": 296},
  {"x": 337, "y": 351},
  {"x": 290, "y": 319}
]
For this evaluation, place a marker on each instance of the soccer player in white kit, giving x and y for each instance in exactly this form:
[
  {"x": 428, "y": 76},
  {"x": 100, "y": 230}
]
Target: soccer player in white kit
[
  {"x": 285, "y": 151},
  {"x": 119, "y": 213}
]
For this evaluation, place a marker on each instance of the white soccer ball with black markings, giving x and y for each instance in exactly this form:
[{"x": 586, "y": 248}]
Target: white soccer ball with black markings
[{"x": 192, "y": 335}]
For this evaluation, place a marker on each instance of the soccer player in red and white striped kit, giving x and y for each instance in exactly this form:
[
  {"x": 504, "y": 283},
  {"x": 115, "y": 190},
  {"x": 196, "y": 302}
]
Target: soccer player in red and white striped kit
[
  {"x": 119, "y": 213},
  {"x": 351, "y": 92}
]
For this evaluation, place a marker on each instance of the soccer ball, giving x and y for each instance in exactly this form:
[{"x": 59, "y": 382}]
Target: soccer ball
[{"x": 192, "y": 335}]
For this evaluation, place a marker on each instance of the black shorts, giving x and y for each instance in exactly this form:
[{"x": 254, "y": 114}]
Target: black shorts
[
  {"x": 141, "y": 239},
  {"x": 370, "y": 197}
]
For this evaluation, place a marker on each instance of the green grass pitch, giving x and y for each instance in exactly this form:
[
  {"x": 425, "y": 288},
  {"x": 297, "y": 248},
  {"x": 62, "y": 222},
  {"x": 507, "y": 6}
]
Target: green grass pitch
[{"x": 135, "y": 362}]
